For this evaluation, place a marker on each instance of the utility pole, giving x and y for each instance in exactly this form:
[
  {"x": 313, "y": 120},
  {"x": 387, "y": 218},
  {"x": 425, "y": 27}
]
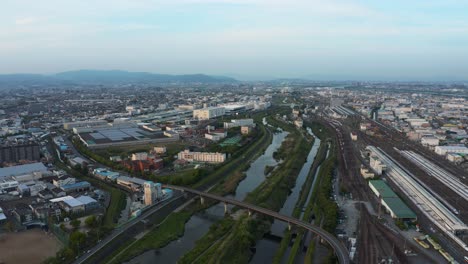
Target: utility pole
[{"x": 379, "y": 206}]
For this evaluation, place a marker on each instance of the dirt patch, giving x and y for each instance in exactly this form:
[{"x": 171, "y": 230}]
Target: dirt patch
[{"x": 31, "y": 246}]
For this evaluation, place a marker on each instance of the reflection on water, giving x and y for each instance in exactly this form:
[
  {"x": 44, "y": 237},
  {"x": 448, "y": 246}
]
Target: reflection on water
[
  {"x": 266, "y": 249},
  {"x": 200, "y": 223}
]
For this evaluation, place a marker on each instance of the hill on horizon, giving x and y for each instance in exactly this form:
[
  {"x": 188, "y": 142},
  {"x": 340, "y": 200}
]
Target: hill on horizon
[{"x": 110, "y": 77}]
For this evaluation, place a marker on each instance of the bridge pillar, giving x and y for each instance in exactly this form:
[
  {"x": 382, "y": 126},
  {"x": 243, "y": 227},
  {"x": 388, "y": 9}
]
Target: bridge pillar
[
  {"x": 202, "y": 200},
  {"x": 250, "y": 212},
  {"x": 225, "y": 208},
  {"x": 289, "y": 226}
]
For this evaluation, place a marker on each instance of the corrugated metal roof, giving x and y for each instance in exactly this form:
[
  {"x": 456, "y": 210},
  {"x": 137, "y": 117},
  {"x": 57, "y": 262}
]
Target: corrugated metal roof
[
  {"x": 22, "y": 169},
  {"x": 86, "y": 199},
  {"x": 383, "y": 188},
  {"x": 399, "y": 208},
  {"x": 76, "y": 185}
]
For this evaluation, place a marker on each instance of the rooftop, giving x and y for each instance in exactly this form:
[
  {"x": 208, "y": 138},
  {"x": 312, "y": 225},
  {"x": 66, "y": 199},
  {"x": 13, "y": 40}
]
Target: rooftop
[{"x": 22, "y": 169}]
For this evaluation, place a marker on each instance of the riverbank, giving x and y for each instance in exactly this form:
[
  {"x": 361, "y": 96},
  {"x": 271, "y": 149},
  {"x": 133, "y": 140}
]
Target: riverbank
[
  {"x": 241, "y": 235},
  {"x": 307, "y": 195},
  {"x": 228, "y": 177}
]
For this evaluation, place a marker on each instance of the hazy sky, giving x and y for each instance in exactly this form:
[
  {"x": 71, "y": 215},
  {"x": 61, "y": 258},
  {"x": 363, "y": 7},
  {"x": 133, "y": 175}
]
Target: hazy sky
[{"x": 368, "y": 39}]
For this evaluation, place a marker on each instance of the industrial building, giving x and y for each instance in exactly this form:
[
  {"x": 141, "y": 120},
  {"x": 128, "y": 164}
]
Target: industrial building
[
  {"x": 209, "y": 157},
  {"x": 208, "y": 113},
  {"x": 238, "y": 123},
  {"x": 15, "y": 153},
  {"x": 105, "y": 174},
  {"x": 26, "y": 169},
  {"x": 443, "y": 150},
  {"x": 76, "y": 187},
  {"x": 124, "y": 135},
  {"x": 76, "y": 205},
  {"x": 93, "y": 123},
  {"x": 392, "y": 203},
  {"x": 131, "y": 183}
]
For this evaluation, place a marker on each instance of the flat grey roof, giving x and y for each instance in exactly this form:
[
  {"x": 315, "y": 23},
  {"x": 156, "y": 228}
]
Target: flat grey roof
[{"x": 22, "y": 169}]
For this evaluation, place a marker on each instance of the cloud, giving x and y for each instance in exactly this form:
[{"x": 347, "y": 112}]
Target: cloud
[{"x": 25, "y": 21}]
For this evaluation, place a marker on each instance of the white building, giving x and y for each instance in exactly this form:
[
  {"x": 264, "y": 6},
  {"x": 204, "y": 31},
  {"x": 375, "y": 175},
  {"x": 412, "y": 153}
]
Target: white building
[
  {"x": 238, "y": 123},
  {"x": 215, "y": 136},
  {"x": 245, "y": 130},
  {"x": 160, "y": 150},
  {"x": 429, "y": 141},
  {"x": 64, "y": 181},
  {"x": 377, "y": 165},
  {"x": 140, "y": 156},
  {"x": 208, "y": 157},
  {"x": 443, "y": 150},
  {"x": 208, "y": 113},
  {"x": 366, "y": 173},
  {"x": 299, "y": 123}
]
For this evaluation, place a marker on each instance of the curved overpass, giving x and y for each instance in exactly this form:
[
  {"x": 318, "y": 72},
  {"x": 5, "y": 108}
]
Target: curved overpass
[{"x": 340, "y": 251}]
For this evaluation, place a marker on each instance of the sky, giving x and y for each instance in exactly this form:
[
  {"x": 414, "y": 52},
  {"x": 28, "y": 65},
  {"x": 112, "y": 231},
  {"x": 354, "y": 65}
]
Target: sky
[{"x": 246, "y": 39}]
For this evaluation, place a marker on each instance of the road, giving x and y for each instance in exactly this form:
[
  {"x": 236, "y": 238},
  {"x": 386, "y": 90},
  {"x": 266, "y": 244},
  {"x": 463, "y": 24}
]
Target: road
[
  {"x": 340, "y": 251},
  {"x": 120, "y": 230}
]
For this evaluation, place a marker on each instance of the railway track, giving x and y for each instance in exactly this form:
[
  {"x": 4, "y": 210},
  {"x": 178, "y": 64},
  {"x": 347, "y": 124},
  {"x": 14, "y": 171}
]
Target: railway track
[{"x": 376, "y": 242}]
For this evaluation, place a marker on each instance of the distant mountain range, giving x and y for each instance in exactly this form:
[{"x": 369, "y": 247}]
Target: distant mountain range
[{"x": 109, "y": 77}]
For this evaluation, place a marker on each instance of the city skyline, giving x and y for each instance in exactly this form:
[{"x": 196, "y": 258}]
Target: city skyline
[{"x": 246, "y": 40}]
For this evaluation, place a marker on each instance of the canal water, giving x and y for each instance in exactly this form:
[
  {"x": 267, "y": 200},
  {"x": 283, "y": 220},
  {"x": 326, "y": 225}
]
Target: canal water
[
  {"x": 199, "y": 224},
  {"x": 266, "y": 248}
]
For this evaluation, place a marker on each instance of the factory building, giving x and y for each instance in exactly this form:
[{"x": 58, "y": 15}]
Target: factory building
[
  {"x": 94, "y": 123},
  {"x": 15, "y": 153},
  {"x": 392, "y": 203},
  {"x": 209, "y": 157},
  {"x": 208, "y": 113},
  {"x": 19, "y": 171}
]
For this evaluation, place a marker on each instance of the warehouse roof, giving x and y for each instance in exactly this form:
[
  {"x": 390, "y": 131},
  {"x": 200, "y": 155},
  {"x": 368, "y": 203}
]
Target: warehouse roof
[
  {"x": 391, "y": 199},
  {"x": 22, "y": 169},
  {"x": 399, "y": 208},
  {"x": 382, "y": 188},
  {"x": 86, "y": 199},
  {"x": 78, "y": 185}
]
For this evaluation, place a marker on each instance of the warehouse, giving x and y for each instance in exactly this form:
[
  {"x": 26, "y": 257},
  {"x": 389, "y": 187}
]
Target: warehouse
[
  {"x": 208, "y": 113},
  {"x": 23, "y": 169},
  {"x": 392, "y": 203}
]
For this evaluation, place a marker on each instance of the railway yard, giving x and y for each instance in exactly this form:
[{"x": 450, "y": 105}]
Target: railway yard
[{"x": 435, "y": 190}]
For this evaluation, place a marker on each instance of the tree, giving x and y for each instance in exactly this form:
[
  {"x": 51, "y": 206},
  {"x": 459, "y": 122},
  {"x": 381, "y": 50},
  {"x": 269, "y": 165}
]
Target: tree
[
  {"x": 9, "y": 226},
  {"x": 62, "y": 226},
  {"x": 75, "y": 223},
  {"x": 77, "y": 240},
  {"x": 91, "y": 221}
]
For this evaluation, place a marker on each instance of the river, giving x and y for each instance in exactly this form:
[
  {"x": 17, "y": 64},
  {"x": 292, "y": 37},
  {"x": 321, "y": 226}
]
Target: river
[
  {"x": 266, "y": 248},
  {"x": 199, "y": 224}
]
